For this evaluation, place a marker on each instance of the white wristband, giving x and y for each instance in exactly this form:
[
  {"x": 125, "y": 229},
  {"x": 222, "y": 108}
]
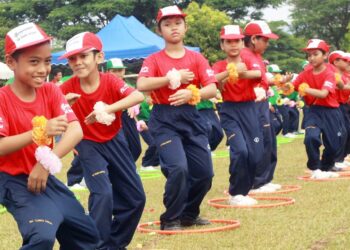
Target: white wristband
[
  {"x": 48, "y": 159},
  {"x": 174, "y": 77},
  {"x": 101, "y": 115}
]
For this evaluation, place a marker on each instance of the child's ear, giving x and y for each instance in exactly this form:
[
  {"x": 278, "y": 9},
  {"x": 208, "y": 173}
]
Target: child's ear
[
  {"x": 10, "y": 61},
  {"x": 100, "y": 57},
  {"x": 159, "y": 32}
]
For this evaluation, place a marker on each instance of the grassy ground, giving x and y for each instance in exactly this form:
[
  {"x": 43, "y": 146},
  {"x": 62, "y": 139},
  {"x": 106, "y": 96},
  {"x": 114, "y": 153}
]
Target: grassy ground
[{"x": 318, "y": 220}]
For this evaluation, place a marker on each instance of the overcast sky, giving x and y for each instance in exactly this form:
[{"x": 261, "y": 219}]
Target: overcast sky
[{"x": 281, "y": 13}]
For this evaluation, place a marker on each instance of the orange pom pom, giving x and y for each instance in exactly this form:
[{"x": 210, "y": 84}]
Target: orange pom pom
[
  {"x": 337, "y": 77},
  {"x": 288, "y": 88},
  {"x": 277, "y": 80},
  {"x": 302, "y": 87},
  {"x": 196, "y": 96},
  {"x": 39, "y": 131},
  {"x": 232, "y": 73}
]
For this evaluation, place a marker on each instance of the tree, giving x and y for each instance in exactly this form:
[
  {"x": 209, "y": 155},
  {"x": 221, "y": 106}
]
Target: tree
[
  {"x": 204, "y": 24},
  {"x": 241, "y": 9},
  {"x": 287, "y": 50},
  {"x": 327, "y": 20}
]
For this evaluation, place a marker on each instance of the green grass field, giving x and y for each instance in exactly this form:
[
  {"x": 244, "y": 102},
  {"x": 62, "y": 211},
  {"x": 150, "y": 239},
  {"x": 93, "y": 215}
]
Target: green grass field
[{"x": 319, "y": 219}]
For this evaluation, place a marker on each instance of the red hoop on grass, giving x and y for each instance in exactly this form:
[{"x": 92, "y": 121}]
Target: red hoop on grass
[{"x": 229, "y": 225}]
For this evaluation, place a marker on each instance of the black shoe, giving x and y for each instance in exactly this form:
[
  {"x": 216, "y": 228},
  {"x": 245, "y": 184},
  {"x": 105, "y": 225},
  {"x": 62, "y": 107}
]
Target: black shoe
[
  {"x": 171, "y": 225},
  {"x": 187, "y": 222}
]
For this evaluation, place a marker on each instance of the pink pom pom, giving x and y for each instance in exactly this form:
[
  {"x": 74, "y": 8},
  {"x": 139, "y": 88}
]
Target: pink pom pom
[
  {"x": 292, "y": 104},
  {"x": 140, "y": 125},
  {"x": 48, "y": 159}
]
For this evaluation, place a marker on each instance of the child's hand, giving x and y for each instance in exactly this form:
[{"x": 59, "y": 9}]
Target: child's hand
[
  {"x": 37, "y": 179},
  {"x": 57, "y": 125},
  {"x": 181, "y": 97},
  {"x": 134, "y": 111},
  {"x": 241, "y": 67},
  {"x": 288, "y": 77},
  {"x": 141, "y": 126},
  {"x": 71, "y": 98},
  {"x": 91, "y": 118},
  {"x": 186, "y": 76}
]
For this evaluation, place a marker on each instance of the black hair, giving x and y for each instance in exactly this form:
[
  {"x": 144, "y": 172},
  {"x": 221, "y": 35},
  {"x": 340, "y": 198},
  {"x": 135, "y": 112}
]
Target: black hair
[
  {"x": 248, "y": 40},
  {"x": 167, "y": 17}
]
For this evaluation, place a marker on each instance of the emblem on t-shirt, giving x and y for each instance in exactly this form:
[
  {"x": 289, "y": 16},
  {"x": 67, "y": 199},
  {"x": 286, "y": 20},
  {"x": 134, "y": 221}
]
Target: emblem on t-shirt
[
  {"x": 144, "y": 69},
  {"x": 124, "y": 88},
  {"x": 328, "y": 84},
  {"x": 210, "y": 72},
  {"x": 1, "y": 123},
  {"x": 66, "y": 108}
]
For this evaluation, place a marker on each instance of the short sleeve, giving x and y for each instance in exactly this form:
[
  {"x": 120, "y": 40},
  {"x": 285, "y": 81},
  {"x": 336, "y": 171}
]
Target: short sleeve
[
  {"x": 148, "y": 68},
  {"x": 120, "y": 87},
  {"x": 329, "y": 83},
  {"x": 4, "y": 126},
  {"x": 206, "y": 73},
  {"x": 63, "y": 107}
]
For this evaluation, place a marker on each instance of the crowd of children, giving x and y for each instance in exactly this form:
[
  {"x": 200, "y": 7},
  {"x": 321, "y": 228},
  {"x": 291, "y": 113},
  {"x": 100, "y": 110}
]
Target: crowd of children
[{"x": 100, "y": 117}]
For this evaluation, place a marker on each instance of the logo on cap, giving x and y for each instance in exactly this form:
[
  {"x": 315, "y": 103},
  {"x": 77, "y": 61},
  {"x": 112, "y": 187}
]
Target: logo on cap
[
  {"x": 259, "y": 28},
  {"x": 24, "y": 36},
  {"x": 317, "y": 44},
  {"x": 169, "y": 11},
  {"x": 82, "y": 42},
  {"x": 231, "y": 32}
]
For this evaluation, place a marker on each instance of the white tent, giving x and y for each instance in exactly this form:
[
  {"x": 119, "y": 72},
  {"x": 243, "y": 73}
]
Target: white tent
[{"x": 5, "y": 72}]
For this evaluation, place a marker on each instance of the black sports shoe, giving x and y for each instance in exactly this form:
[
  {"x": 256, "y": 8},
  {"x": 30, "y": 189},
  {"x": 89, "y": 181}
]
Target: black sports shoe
[
  {"x": 187, "y": 222},
  {"x": 171, "y": 225}
]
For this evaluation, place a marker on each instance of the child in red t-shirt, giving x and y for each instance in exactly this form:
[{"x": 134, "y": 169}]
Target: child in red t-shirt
[
  {"x": 174, "y": 75},
  {"x": 256, "y": 41},
  {"x": 340, "y": 61},
  {"x": 324, "y": 119},
  {"x": 32, "y": 112},
  {"x": 116, "y": 198},
  {"x": 239, "y": 116}
]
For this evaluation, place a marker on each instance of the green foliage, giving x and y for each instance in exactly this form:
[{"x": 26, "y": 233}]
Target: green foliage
[
  {"x": 327, "y": 20},
  {"x": 204, "y": 24},
  {"x": 241, "y": 9},
  {"x": 286, "y": 51}
]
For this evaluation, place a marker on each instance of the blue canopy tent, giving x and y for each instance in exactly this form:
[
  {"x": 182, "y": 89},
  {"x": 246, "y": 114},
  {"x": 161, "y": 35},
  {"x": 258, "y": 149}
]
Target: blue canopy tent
[{"x": 125, "y": 38}]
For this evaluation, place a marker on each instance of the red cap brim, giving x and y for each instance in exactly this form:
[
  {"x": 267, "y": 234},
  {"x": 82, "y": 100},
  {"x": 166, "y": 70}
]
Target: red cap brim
[
  {"x": 74, "y": 52},
  {"x": 270, "y": 36},
  {"x": 182, "y": 15}
]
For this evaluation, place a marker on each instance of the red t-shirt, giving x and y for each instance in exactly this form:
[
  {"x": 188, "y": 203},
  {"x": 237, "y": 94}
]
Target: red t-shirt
[
  {"x": 254, "y": 61},
  {"x": 241, "y": 91},
  {"x": 110, "y": 90},
  {"x": 158, "y": 65},
  {"x": 323, "y": 80},
  {"x": 343, "y": 95},
  {"x": 16, "y": 117}
]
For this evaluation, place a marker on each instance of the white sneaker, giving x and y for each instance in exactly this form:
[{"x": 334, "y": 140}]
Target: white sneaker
[
  {"x": 332, "y": 174},
  {"x": 148, "y": 168},
  {"x": 318, "y": 174},
  {"x": 341, "y": 165},
  {"x": 240, "y": 200},
  {"x": 289, "y": 135},
  {"x": 264, "y": 189},
  {"x": 82, "y": 183},
  {"x": 274, "y": 186},
  {"x": 77, "y": 186}
]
